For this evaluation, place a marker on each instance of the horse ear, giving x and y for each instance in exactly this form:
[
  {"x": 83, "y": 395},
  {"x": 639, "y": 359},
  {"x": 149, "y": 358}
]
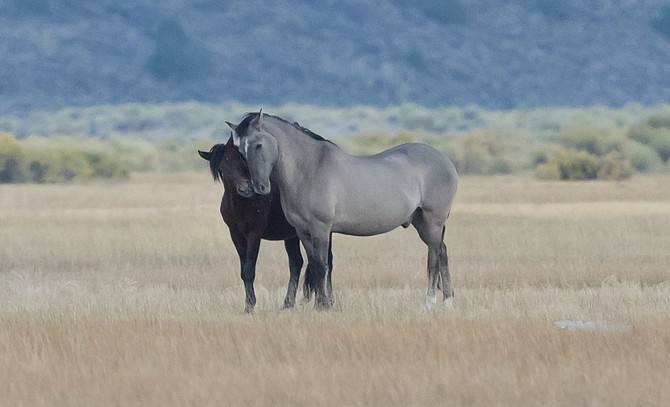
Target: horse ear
[
  {"x": 205, "y": 154},
  {"x": 233, "y": 127},
  {"x": 236, "y": 138},
  {"x": 260, "y": 119}
]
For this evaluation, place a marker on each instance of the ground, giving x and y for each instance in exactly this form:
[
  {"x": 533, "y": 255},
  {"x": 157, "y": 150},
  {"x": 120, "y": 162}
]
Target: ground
[{"x": 129, "y": 293}]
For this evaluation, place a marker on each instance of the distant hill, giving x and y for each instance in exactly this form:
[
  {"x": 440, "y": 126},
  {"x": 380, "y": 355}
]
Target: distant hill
[{"x": 523, "y": 53}]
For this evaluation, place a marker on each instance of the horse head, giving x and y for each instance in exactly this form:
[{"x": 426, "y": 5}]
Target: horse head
[
  {"x": 259, "y": 148},
  {"x": 228, "y": 165}
]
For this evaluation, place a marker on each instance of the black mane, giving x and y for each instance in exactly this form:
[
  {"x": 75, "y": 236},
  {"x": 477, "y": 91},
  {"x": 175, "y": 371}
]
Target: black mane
[
  {"x": 215, "y": 160},
  {"x": 246, "y": 122}
]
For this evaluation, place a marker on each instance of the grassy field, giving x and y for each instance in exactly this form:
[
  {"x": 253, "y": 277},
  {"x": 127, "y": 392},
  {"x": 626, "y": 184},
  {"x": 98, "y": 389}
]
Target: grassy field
[{"x": 128, "y": 294}]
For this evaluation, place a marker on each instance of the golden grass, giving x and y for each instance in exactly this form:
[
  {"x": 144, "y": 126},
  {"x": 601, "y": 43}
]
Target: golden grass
[{"x": 129, "y": 294}]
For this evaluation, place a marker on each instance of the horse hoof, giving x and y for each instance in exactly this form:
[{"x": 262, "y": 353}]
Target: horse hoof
[
  {"x": 431, "y": 302},
  {"x": 323, "y": 306},
  {"x": 249, "y": 309},
  {"x": 448, "y": 303}
]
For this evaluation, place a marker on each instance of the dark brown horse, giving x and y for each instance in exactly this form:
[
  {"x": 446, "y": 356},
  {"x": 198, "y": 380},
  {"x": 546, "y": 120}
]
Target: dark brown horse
[{"x": 252, "y": 217}]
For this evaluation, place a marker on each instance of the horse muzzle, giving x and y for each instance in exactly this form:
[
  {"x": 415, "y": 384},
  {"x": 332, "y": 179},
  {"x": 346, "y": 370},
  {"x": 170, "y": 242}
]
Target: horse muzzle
[{"x": 261, "y": 188}]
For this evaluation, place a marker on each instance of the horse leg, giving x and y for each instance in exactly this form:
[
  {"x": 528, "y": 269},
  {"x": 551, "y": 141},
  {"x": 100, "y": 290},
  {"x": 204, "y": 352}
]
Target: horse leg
[
  {"x": 431, "y": 235},
  {"x": 295, "y": 263},
  {"x": 329, "y": 283},
  {"x": 316, "y": 245},
  {"x": 447, "y": 289},
  {"x": 249, "y": 272},
  {"x": 247, "y": 265},
  {"x": 309, "y": 285}
]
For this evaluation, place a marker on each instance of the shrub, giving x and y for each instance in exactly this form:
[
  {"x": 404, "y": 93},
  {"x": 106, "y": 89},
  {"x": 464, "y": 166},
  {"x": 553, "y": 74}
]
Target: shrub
[
  {"x": 548, "y": 171},
  {"x": 569, "y": 164},
  {"x": 60, "y": 159},
  {"x": 135, "y": 154},
  {"x": 659, "y": 120},
  {"x": 657, "y": 138},
  {"x": 105, "y": 165},
  {"x": 11, "y": 159},
  {"x": 75, "y": 164},
  {"x": 482, "y": 153},
  {"x": 642, "y": 157},
  {"x": 577, "y": 165},
  {"x": 178, "y": 155},
  {"x": 374, "y": 142},
  {"x": 595, "y": 140},
  {"x": 614, "y": 166}
]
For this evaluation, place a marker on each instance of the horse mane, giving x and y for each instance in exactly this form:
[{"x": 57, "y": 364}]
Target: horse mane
[
  {"x": 246, "y": 122},
  {"x": 217, "y": 155}
]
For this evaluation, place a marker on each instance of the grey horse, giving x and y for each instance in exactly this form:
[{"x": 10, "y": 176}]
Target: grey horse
[{"x": 324, "y": 190}]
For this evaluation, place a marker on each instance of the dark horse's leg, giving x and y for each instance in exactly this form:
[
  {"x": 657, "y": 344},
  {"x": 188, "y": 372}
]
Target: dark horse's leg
[
  {"x": 247, "y": 249},
  {"x": 295, "y": 263}
]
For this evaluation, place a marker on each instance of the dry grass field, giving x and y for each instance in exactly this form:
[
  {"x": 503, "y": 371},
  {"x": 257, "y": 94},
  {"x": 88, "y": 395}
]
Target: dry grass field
[{"x": 128, "y": 294}]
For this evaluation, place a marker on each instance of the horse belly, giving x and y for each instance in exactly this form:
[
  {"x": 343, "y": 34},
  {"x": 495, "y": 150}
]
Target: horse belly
[{"x": 373, "y": 216}]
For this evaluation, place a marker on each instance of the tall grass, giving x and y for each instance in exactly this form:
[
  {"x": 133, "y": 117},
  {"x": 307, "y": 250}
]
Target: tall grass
[{"x": 129, "y": 294}]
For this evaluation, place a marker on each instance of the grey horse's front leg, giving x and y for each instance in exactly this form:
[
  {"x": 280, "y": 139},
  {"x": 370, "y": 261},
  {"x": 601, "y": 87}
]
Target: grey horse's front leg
[{"x": 317, "y": 246}]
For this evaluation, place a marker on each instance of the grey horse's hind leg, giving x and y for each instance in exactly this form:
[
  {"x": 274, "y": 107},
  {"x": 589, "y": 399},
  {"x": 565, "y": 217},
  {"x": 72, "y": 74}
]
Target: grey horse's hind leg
[
  {"x": 431, "y": 234},
  {"x": 447, "y": 289}
]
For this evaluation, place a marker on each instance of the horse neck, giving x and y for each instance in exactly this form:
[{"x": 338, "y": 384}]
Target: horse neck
[{"x": 295, "y": 148}]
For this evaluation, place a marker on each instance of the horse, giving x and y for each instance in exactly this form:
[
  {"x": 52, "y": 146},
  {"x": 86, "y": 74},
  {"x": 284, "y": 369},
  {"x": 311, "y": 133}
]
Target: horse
[
  {"x": 324, "y": 190},
  {"x": 250, "y": 218}
]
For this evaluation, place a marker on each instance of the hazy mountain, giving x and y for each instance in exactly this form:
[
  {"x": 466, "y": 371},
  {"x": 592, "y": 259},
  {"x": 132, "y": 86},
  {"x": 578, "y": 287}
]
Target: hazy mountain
[{"x": 523, "y": 53}]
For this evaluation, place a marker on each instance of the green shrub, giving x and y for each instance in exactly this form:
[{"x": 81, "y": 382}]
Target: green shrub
[
  {"x": 614, "y": 166},
  {"x": 49, "y": 166},
  {"x": 178, "y": 155},
  {"x": 481, "y": 154},
  {"x": 595, "y": 140},
  {"x": 61, "y": 159},
  {"x": 577, "y": 165},
  {"x": 11, "y": 159},
  {"x": 569, "y": 164},
  {"x": 659, "y": 120},
  {"x": 374, "y": 142},
  {"x": 135, "y": 154},
  {"x": 548, "y": 171},
  {"x": 44, "y": 166},
  {"x": 75, "y": 164},
  {"x": 642, "y": 157},
  {"x": 105, "y": 165},
  {"x": 657, "y": 138}
]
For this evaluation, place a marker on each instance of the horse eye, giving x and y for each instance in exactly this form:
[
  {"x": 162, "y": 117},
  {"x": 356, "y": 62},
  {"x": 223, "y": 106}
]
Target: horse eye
[{"x": 258, "y": 146}]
